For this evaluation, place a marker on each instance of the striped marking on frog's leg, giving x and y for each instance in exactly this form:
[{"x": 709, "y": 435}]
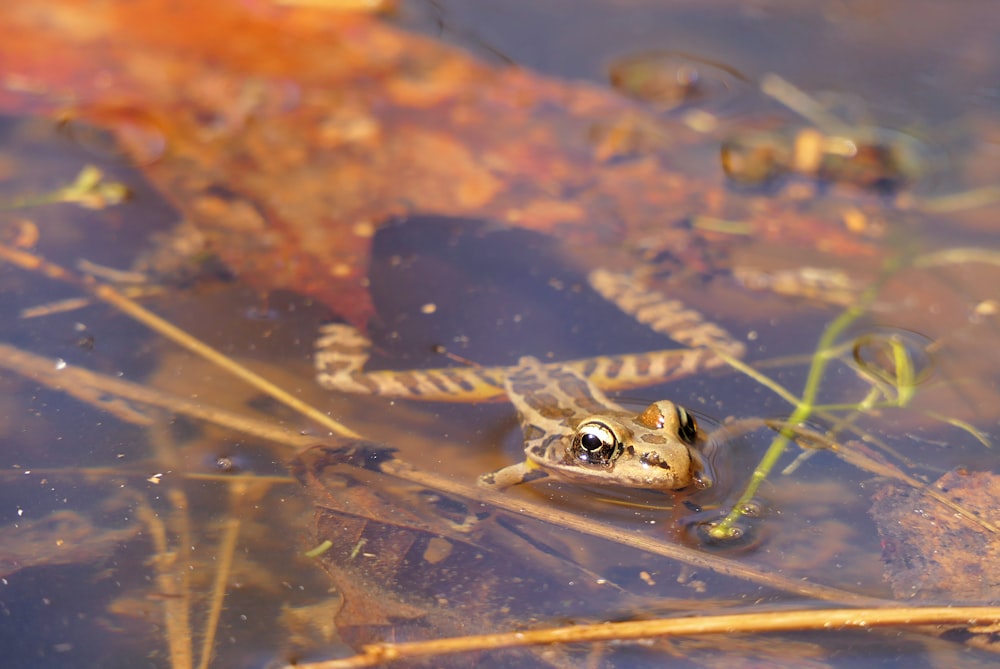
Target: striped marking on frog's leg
[
  {"x": 342, "y": 352},
  {"x": 665, "y": 315},
  {"x": 340, "y": 357},
  {"x": 634, "y": 370}
]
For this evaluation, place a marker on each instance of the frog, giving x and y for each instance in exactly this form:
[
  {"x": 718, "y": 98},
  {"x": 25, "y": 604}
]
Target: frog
[{"x": 573, "y": 432}]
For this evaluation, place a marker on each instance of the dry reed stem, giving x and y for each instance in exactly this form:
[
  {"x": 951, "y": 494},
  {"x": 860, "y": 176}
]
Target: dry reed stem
[
  {"x": 745, "y": 623},
  {"x": 166, "y": 329},
  {"x": 176, "y": 611},
  {"x": 224, "y": 564},
  {"x": 575, "y": 522},
  {"x": 43, "y": 370},
  {"x": 74, "y": 379}
]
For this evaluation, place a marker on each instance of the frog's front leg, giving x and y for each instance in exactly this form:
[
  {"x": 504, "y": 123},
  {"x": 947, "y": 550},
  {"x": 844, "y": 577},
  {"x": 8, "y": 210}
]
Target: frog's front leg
[
  {"x": 511, "y": 475},
  {"x": 545, "y": 398}
]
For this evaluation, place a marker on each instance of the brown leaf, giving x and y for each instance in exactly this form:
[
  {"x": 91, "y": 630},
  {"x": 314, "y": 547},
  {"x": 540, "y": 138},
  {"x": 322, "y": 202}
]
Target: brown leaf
[
  {"x": 932, "y": 553},
  {"x": 291, "y": 140},
  {"x": 413, "y": 563},
  {"x": 62, "y": 537}
]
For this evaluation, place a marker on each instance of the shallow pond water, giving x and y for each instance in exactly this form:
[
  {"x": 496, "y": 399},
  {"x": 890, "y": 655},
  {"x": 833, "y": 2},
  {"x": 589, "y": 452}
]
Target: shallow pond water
[{"x": 159, "y": 512}]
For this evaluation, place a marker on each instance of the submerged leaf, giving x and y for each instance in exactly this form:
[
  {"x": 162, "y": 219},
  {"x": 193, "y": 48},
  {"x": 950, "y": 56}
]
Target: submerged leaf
[
  {"x": 932, "y": 553},
  {"x": 62, "y": 537}
]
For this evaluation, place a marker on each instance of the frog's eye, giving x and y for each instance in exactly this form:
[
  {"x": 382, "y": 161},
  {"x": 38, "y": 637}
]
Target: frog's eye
[
  {"x": 687, "y": 426},
  {"x": 595, "y": 443}
]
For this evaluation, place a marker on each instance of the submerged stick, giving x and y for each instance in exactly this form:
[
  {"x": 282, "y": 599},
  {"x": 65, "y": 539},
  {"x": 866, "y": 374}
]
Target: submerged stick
[
  {"x": 73, "y": 380},
  {"x": 170, "y": 581},
  {"x": 775, "y": 621},
  {"x": 670, "y": 550},
  {"x": 163, "y": 327},
  {"x": 227, "y": 548}
]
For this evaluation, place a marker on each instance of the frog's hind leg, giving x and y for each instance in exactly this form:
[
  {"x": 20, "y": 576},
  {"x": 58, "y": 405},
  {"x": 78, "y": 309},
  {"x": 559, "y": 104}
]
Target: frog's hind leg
[
  {"x": 341, "y": 354},
  {"x": 664, "y": 315}
]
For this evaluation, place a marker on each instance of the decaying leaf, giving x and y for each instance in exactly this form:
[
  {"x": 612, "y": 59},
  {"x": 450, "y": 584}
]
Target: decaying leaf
[
  {"x": 62, "y": 537},
  {"x": 414, "y": 564},
  {"x": 289, "y": 142},
  {"x": 411, "y": 563},
  {"x": 932, "y": 553}
]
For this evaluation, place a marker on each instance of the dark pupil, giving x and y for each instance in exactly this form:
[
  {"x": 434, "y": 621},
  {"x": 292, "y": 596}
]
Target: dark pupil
[{"x": 591, "y": 442}]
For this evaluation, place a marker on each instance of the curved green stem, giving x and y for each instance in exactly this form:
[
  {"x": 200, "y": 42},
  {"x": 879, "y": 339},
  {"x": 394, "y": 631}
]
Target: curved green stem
[{"x": 804, "y": 408}]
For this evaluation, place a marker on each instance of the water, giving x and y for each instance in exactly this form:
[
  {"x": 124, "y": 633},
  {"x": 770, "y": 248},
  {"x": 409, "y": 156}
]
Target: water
[{"x": 118, "y": 518}]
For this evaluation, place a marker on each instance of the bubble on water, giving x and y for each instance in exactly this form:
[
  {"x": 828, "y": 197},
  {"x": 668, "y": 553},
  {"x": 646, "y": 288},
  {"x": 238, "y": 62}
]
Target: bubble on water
[{"x": 751, "y": 509}]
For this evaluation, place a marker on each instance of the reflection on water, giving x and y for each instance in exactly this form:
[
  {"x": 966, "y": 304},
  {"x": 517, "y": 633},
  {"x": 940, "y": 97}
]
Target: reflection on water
[{"x": 193, "y": 519}]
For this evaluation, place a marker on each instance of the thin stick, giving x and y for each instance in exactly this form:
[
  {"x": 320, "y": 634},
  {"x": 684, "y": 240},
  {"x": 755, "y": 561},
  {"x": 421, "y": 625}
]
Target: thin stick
[
  {"x": 577, "y": 523},
  {"x": 181, "y": 567},
  {"x": 103, "y": 473},
  {"x": 44, "y": 371},
  {"x": 803, "y": 104},
  {"x": 74, "y": 303},
  {"x": 227, "y": 547},
  {"x": 857, "y": 458},
  {"x": 776, "y": 621},
  {"x": 175, "y": 606},
  {"x": 963, "y": 201},
  {"x": 957, "y": 256},
  {"x": 108, "y": 294}
]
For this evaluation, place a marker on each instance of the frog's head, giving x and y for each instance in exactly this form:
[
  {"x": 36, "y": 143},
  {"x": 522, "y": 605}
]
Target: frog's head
[{"x": 649, "y": 450}]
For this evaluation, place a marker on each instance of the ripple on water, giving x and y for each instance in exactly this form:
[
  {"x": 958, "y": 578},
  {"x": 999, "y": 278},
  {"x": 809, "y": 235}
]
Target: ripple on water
[{"x": 901, "y": 358}]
